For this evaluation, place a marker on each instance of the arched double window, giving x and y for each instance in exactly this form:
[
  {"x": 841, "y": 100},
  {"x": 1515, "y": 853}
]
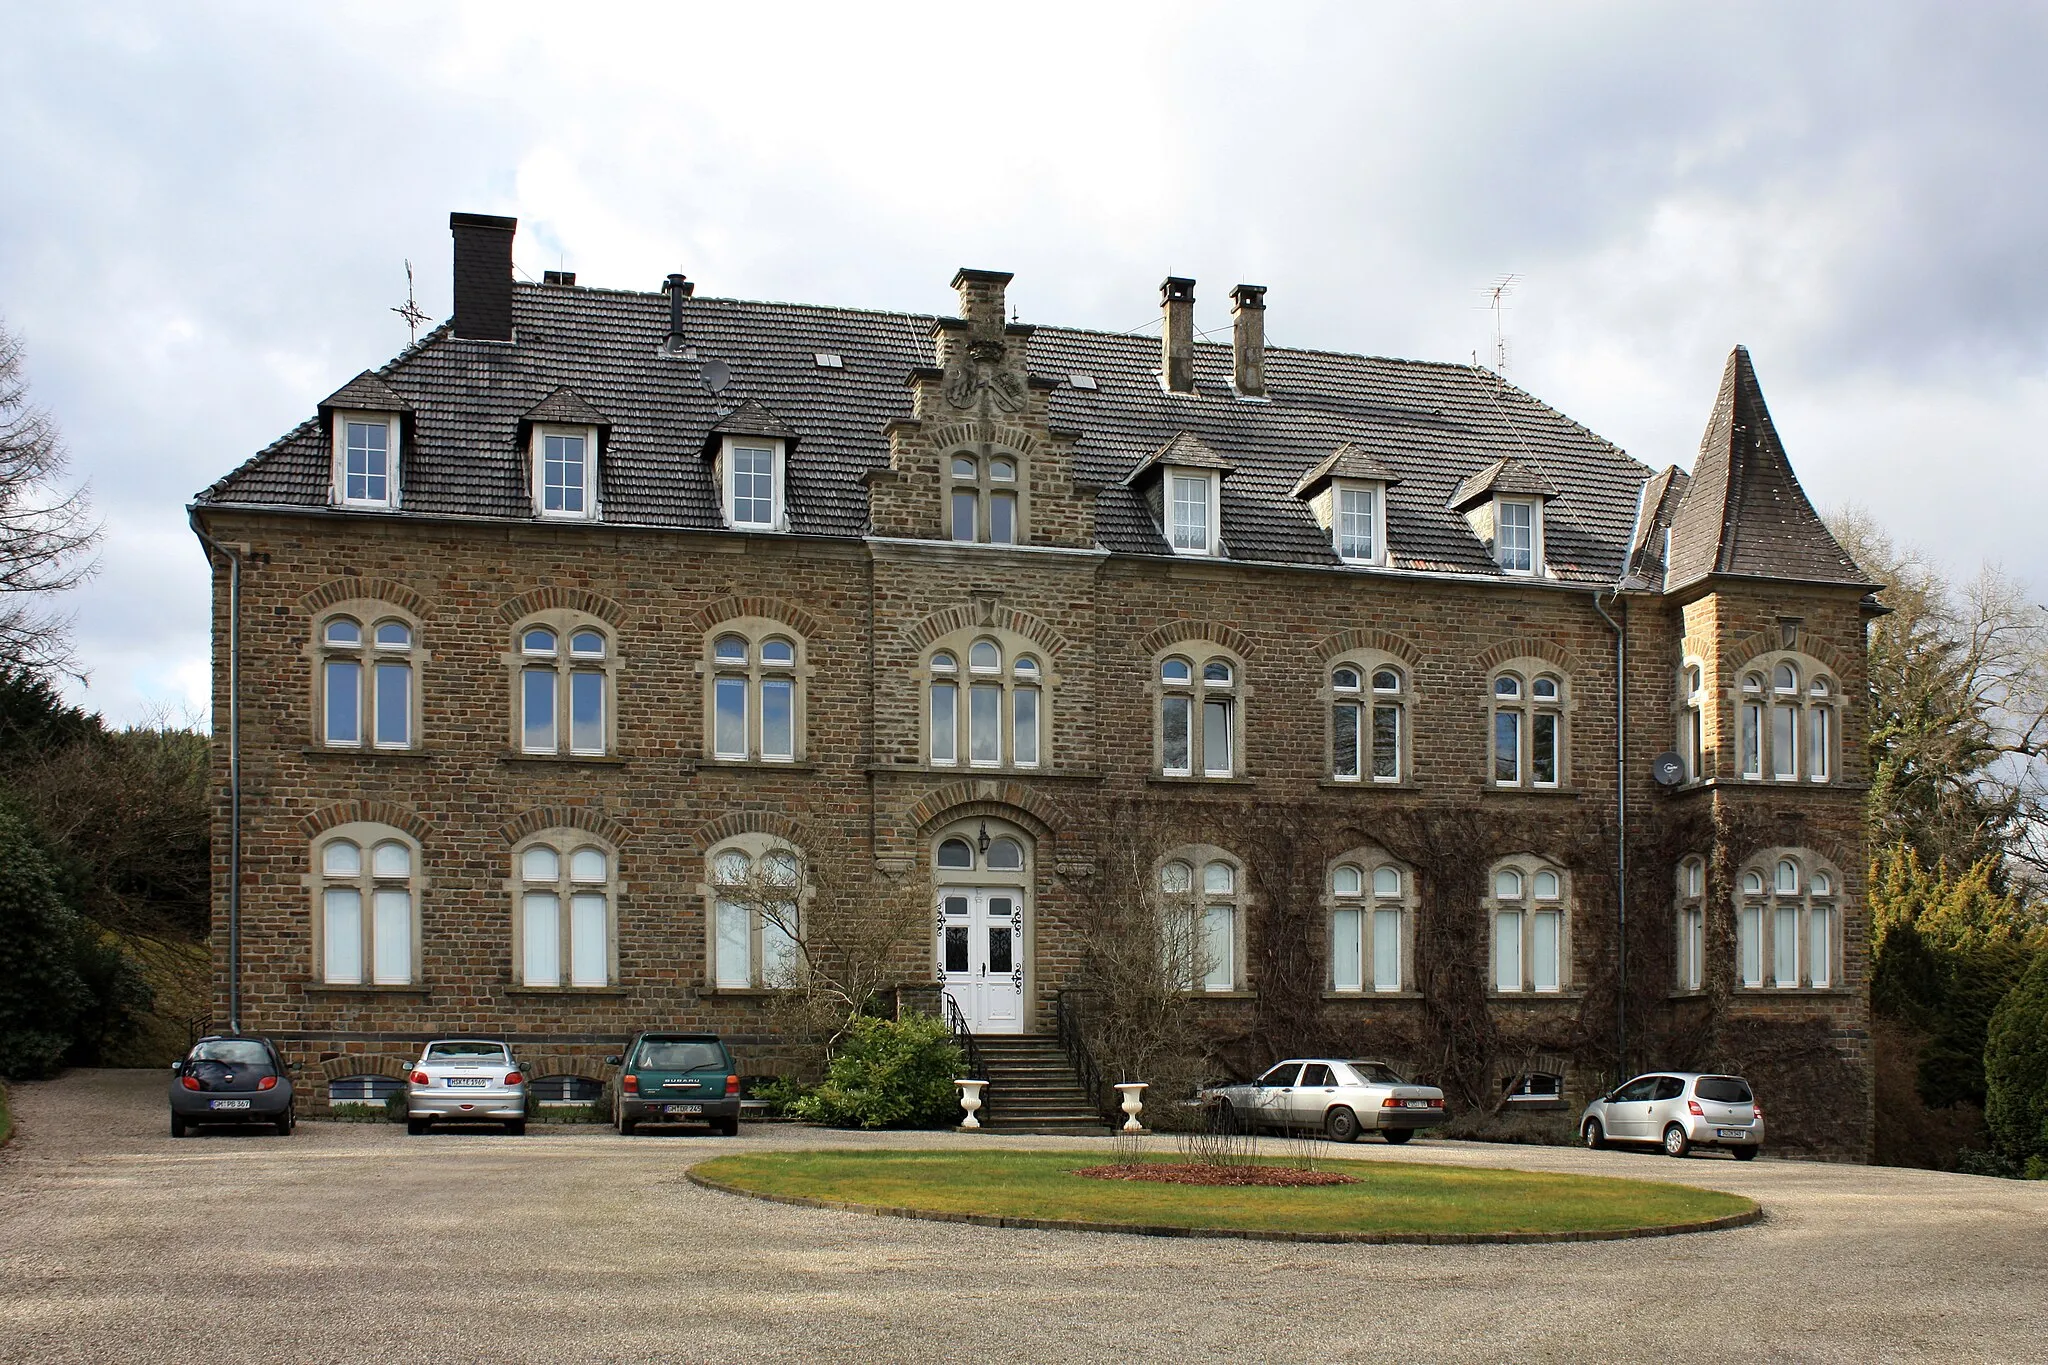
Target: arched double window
[
  {"x": 1692, "y": 923},
  {"x": 756, "y": 892},
  {"x": 1530, "y": 913},
  {"x": 1202, "y": 918},
  {"x": 565, "y": 890},
  {"x": 1371, "y": 900},
  {"x": 1201, "y": 720},
  {"x": 1529, "y": 708},
  {"x": 986, "y": 704},
  {"x": 756, "y": 693},
  {"x": 1790, "y": 721},
  {"x": 1787, "y": 922},
  {"x": 366, "y": 925},
  {"x": 367, "y": 670},
  {"x": 565, "y": 665},
  {"x": 1368, "y": 721},
  {"x": 983, "y": 500}
]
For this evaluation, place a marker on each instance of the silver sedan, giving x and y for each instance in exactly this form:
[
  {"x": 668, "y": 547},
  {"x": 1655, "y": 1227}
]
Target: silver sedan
[
  {"x": 1678, "y": 1111},
  {"x": 465, "y": 1080},
  {"x": 1339, "y": 1099}
]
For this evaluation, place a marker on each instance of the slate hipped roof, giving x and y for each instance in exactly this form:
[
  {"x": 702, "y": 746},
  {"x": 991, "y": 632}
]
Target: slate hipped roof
[
  {"x": 1508, "y": 476},
  {"x": 1426, "y": 429},
  {"x": 1185, "y": 451},
  {"x": 1744, "y": 513},
  {"x": 1348, "y": 461}
]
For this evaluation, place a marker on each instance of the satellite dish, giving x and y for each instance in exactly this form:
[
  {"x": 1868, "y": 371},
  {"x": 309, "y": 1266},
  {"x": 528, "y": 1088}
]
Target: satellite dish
[
  {"x": 1668, "y": 768},
  {"x": 716, "y": 374}
]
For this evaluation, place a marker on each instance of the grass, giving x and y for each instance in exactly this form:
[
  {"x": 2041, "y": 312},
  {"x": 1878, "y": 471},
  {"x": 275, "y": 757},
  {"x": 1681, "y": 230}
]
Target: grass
[{"x": 1389, "y": 1196}]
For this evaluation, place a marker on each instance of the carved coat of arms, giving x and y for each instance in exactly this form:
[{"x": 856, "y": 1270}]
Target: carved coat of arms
[{"x": 982, "y": 370}]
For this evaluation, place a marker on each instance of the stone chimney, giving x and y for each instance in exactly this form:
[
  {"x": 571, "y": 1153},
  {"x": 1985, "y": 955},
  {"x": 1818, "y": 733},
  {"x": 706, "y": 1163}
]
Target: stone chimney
[
  {"x": 678, "y": 288},
  {"x": 483, "y": 275},
  {"x": 1177, "y": 337},
  {"x": 982, "y": 301},
  {"x": 1248, "y": 338}
]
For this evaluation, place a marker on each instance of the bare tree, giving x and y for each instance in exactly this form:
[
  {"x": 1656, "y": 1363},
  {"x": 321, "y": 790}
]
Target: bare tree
[{"x": 45, "y": 533}]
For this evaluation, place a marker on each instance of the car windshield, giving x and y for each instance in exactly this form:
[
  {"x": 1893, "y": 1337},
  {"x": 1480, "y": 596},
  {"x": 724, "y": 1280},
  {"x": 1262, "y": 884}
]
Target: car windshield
[
  {"x": 1723, "y": 1089},
  {"x": 233, "y": 1051},
  {"x": 447, "y": 1052},
  {"x": 1375, "y": 1073},
  {"x": 668, "y": 1055}
]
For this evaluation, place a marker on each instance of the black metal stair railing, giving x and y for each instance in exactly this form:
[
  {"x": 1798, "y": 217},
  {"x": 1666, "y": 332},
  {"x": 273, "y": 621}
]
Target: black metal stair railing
[
  {"x": 1067, "y": 1013},
  {"x": 963, "y": 1036}
]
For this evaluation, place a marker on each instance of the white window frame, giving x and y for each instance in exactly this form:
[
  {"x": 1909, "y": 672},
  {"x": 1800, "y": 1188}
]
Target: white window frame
[
  {"x": 366, "y": 883},
  {"x": 1366, "y": 701},
  {"x": 763, "y": 935},
  {"x": 1353, "y": 964},
  {"x": 754, "y": 675},
  {"x": 1198, "y": 692},
  {"x": 365, "y": 660},
  {"x": 1194, "y": 908},
  {"x": 537, "y": 453},
  {"x": 1378, "y": 492},
  {"x": 1535, "y": 506},
  {"x": 1022, "y": 671},
  {"x": 1526, "y": 706},
  {"x": 1527, "y": 906},
  {"x": 1813, "y": 706},
  {"x": 728, "y": 498},
  {"x": 1213, "y": 548},
  {"x": 393, "y": 431},
  {"x": 1763, "y": 901},
  {"x": 1690, "y": 924},
  {"x": 565, "y": 887},
  {"x": 565, "y": 665}
]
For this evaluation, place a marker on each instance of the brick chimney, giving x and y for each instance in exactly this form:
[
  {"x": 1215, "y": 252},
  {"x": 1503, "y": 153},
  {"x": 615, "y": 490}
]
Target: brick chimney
[
  {"x": 483, "y": 275},
  {"x": 1248, "y": 338},
  {"x": 678, "y": 288},
  {"x": 1177, "y": 337},
  {"x": 982, "y": 301}
]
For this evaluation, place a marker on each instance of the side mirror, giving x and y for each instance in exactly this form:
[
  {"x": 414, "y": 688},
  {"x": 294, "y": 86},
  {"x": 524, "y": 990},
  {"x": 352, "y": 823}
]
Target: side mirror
[{"x": 615, "y": 1061}]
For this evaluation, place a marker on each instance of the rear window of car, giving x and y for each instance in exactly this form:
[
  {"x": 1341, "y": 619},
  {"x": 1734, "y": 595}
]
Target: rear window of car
[
  {"x": 233, "y": 1051},
  {"x": 449, "y": 1051},
  {"x": 673, "y": 1056},
  {"x": 1723, "y": 1089},
  {"x": 1375, "y": 1073}
]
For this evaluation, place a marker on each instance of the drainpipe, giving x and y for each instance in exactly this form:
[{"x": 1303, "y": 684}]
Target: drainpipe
[
  {"x": 1621, "y": 828},
  {"x": 234, "y": 771}
]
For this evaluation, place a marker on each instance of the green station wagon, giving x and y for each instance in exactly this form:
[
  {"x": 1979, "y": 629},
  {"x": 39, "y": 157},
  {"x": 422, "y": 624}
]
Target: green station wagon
[{"x": 677, "y": 1078}]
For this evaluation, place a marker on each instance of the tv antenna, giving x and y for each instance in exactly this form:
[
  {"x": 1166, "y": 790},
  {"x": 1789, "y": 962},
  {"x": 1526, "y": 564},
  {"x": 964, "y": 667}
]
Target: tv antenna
[
  {"x": 411, "y": 312},
  {"x": 1496, "y": 299}
]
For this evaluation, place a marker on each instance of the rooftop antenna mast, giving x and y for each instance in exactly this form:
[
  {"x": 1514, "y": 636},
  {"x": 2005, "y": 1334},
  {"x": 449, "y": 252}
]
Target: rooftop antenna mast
[
  {"x": 411, "y": 311},
  {"x": 1496, "y": 299}
]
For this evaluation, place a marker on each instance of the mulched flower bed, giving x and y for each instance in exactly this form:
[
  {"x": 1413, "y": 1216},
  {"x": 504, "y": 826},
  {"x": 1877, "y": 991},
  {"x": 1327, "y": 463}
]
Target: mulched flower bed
[{"x": 1183, "y": 1173}]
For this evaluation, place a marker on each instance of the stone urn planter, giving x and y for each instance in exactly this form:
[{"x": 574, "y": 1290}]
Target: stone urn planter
[
  {"x": 970, "y": 1101},
  {"x": 1133, "y": 1105}
]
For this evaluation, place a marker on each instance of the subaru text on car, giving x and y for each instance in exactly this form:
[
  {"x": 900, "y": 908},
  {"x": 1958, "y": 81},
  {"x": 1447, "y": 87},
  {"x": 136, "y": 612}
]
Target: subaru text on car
[{"x": 677, "y": 1078}]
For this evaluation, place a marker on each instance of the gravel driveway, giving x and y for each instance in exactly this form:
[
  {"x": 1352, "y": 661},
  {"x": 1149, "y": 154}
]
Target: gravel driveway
[{"x": 353, "y": 1242}]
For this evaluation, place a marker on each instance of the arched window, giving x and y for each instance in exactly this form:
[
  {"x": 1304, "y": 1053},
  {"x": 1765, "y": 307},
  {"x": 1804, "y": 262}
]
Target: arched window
[
  {"x": 756, "y": 696},
  {"x": 1529, "y": 707},
  {"x": 367, "y": 663},
  {"x": 565, "y": 888},
  {"x": 1202, "y": 919},
  {"x": 565, "y": 666},
  {"x": 1003, "y": 721},
  {"x": 1692, "y": 728},
  {"x": 1368, "y": 720},
  {"x": 1530, "y": 914},
  {"x": 1692, "y": 923},
  {"x": 1790, "y": 720},
  {"x": 1371, "y": 935},
  {"x": 366, "y": 929},
  {"x": 983, "y": 499},
  {"x": 1787, "y": 922},
  {"x": 1200, "y": 720},
  {"x": 756, "y": 888}
]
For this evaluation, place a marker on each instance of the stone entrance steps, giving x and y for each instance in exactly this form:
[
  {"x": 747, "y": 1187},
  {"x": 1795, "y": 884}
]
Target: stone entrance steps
[{"x": 1032, "y": 1087}]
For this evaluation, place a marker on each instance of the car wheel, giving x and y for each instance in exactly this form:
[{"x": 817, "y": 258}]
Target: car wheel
[
  {"x": 1397, "y": 1136},
  {"x": 1226, "y": 1117},
  {"x": 726, "y": 1127},
  {"x": 515, "y": 1128},
  {"x": 1595, "y": 1136},
  {"x": 1743, "y": 1153},
  {"x": 1676, "y": 1143},
  {"x": 622, "y": 1123},
  {"x": 416, "y": 1126},
  {"x": 286, "y": 1124},
  {"x": 1341, "y": 1125},
  {"x": 177, "y": 1126}
]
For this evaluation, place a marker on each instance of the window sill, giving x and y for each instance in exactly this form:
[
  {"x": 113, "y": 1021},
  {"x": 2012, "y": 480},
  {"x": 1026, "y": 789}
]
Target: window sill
[
  {"x": 769, "y": 765},
  {"x": 1345, "y": 784},
  {"x": 1572, "y": 993},
  {"x": 758, "y": 992},
  {"x": 1761, "y": 784},
  {"x": 969, "y": 770},
  {"x": 566, "y": 990},
  {"x": 1219, "y": 995},
  {"x": 1566, "y": 793},
  {"x": 333, "y": 988},
  {"x": 1162, "y": 780},
  {"x": 1781, "y": 992},
  {"x": 595, "y": 760},
  {"x": 1372, "y": 995},
  {"x": 357, "y": 751}
]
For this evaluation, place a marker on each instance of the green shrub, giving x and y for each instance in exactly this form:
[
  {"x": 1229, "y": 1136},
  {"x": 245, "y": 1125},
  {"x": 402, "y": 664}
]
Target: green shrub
[
  {"x": 2016, "y": 1073},
  {"x": 780, "y": 1093},
  {"x": 888, "y": 1073}
]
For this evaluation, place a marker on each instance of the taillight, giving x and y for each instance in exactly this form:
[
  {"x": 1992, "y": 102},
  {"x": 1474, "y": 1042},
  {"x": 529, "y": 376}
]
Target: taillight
[
  {"x": 190, "y": 1082},
  {"x": 420, "y": 1078},
  {"x": 267, "y": 1083},
  {"x": 1756, "y": 1111},
  {"x": 1693, "y": 1107},
  {"x": 513, "y": 1078},
  {"x": 732, "y": 1085},
  {"x": 1390, "y": 1103},
  {"x": 630, "y": 1083},
  {"x": 1437, "y": 1103}
]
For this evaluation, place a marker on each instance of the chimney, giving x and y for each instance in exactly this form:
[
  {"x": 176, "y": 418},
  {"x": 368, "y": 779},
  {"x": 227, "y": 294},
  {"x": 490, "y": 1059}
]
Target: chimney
[
  {"x": 678, "y": 288},
  {"x": 1177, "y": 338},
  {"x": 982, "y": 301},
  {"x": 1248, "y": 338},
  {"x": 483, "y": 275}
]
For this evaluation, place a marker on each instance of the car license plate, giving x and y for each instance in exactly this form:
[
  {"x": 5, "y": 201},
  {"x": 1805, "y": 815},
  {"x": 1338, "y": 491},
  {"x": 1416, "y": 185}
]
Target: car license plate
[
  {"x": 228, "y": 1104},
  {"x": 1416, "y": 1104},
  {"x": 682, "y": 1109},
  {"x": 1731, "y": 1132},
  {"x": 477, "y": 1082}
]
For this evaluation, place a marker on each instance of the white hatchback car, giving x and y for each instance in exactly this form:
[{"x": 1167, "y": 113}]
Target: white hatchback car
[
  {"x": 1678, "y": 1111},
  {"x": 465, "y": 1080}
]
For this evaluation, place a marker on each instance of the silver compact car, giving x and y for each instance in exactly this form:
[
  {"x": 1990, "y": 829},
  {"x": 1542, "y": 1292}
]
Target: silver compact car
[
  {"x": 465, "y": 1080},
  {"x": 1678, "y": 1111},
  {"x": 1339, "y": 1099}
]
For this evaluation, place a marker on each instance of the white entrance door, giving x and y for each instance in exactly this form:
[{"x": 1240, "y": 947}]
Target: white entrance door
[{"x": 981, "y": 956}]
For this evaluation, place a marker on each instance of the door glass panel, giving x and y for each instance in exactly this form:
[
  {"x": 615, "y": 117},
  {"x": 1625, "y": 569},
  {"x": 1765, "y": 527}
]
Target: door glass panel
[
  {"x": 956, "y": 905},
  {"x": 956, "y": 948},
  {"x": 1315, "y": 1073},
  {"x": 999, "y": 955}
]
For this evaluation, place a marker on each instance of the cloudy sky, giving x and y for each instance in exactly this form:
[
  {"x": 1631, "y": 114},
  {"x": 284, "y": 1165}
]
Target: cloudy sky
[{"x": 205, "y": 210}]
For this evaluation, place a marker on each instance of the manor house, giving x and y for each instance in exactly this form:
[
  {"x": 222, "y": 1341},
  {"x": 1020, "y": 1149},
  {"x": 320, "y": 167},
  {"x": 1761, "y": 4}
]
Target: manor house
[{"x": 1446, "y": 730}]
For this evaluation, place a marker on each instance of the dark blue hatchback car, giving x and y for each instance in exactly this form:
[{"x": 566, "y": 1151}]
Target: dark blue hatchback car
[{"x": 226, "y": 1079}]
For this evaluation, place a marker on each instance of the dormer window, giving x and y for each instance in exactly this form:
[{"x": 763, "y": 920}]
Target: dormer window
[
  {"x": 1191, "y": 512},
  {"x": 753, "y": 483},
  {"x": 366, "y": 459},
  {"x": 565, "y": 472},
  {"x": 1517, "y": 535},
  {"x": 1357, "y": 524}
]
